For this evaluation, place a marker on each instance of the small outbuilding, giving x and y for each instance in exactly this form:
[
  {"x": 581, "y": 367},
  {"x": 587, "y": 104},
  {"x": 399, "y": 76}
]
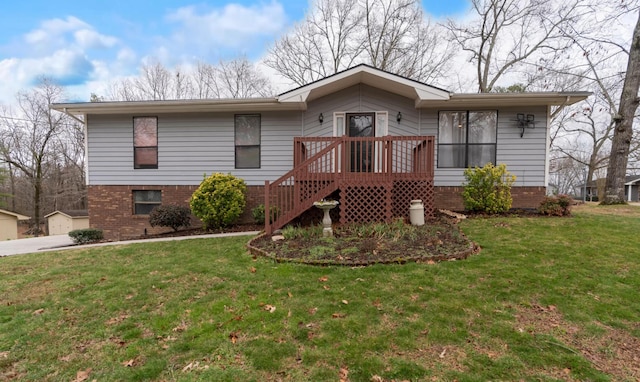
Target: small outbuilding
[
  {"x": 9, "y": 224},
  {"x": 63, "y": 222}
]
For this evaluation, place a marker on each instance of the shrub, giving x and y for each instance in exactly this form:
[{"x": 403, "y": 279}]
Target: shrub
[
  {"x": 170, "y": 216},
  {"x": 556, "y": 205},
  {"x": 87, "y": 235},
  {"x": 219, "y": 201},
  {"x": 488, "y": 189},
  {"x": 258, "y": 214}
]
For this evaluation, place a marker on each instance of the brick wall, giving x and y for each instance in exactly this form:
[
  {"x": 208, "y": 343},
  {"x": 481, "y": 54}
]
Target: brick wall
[
  {"x": 450, "y": 198},
  {"x": 111, "y": 208}
]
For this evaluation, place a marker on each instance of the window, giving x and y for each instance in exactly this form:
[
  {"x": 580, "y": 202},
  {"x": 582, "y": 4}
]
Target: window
[
  {"x": 145, "y": 201},
  {"x": 247, "y": 140},
  {"x": 145, "y": 142},
  {"x": 467, "y": 138}
]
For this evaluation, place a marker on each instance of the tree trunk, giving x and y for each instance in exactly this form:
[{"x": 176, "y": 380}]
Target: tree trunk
[{"x": 623, "y": 130}]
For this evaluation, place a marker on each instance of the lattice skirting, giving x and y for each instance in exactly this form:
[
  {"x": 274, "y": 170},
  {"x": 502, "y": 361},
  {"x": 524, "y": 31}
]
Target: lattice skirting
[
  {"x": 383, "y": 201},
  {"x": 404, "y": 191}
]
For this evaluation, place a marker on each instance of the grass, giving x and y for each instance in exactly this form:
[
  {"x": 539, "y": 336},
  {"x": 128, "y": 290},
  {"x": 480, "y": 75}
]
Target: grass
[{"x": 546, "y": 299}]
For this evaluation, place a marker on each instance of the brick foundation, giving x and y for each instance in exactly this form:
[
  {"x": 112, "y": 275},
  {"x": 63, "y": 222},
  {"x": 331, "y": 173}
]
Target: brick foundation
[
  {"x": 450, "y": 198},
  {"x": 111, "y": 207}
]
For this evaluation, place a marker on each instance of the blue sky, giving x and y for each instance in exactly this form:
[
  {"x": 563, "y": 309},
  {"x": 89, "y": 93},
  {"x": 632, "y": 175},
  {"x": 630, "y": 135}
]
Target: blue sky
[{"x": 85, "y": 44}]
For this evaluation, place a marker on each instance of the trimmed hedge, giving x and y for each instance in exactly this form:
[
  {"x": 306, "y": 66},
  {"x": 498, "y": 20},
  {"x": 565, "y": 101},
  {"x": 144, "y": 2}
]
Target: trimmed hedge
[
  {"x": 556, "y": 205},
  {"x": 488, "y": 188},
  {"x": 87, "y": 235},
  {"x": 170, "y": 215},
  {"x": 219, "y": 201}
]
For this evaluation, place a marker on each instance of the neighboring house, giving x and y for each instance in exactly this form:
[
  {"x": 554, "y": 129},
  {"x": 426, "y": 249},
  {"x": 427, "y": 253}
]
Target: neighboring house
[
  {"x": 371, "y": 139},
  {"x": 9, "y": 224},
  {"x": 631, "y": 189},
  {"x": 63, "y": 222}
]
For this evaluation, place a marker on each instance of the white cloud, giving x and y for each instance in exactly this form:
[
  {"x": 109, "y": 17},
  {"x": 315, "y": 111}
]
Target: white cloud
[
  {"x": 66, "y": 67},
  {"x": 234, "y": 26},
  {"x": 58, "y": 33},
  {"x": 90, "y": 39}
]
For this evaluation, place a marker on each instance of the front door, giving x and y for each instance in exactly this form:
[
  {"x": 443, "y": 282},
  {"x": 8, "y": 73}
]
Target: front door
[{"x": 361, "y": 125}]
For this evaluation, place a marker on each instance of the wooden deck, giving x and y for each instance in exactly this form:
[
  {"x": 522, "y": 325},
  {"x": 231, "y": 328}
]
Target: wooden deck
[{"x": 377, "y": 178}]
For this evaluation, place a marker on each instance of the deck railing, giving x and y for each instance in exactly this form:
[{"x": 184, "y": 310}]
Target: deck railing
[{"x": 322, "y": 163}]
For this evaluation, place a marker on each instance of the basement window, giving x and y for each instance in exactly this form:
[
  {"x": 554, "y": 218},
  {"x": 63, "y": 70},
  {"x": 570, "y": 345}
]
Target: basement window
[{"x": 144, "y": 201}]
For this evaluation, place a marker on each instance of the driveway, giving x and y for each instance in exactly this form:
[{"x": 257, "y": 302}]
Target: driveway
[
  {"x": 60, "y": 242},
  {"x": 33, "y": 244}
]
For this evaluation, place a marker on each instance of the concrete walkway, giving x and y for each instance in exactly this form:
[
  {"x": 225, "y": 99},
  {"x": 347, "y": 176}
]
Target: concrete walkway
[{"x": 64, "y": 242}]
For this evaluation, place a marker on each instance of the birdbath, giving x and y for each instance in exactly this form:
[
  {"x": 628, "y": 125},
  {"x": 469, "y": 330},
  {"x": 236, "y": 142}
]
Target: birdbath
[{"x": 326, "y": 206}]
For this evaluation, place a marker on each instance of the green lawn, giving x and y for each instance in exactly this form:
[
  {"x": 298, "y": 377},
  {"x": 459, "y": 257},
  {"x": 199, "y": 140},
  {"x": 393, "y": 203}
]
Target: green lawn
[{"x": 546, "y": 299}]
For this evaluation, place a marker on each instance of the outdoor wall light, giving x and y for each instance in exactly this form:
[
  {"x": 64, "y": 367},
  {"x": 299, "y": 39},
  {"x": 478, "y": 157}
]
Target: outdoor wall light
[
  {"x": 525, "y": 122},
  {"x": 399, "y": 117},
  {"x": 321, "y": 118}
]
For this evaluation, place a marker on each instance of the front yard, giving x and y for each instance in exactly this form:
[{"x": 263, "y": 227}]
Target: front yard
[{"x": 546, "y": 299}]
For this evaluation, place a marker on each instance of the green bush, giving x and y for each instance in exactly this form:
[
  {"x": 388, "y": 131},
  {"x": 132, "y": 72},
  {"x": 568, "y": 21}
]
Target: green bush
[
  {"x": 556, "y": 205},
  {"x": 488, "y": 189},
  {"x": 87, "y": 235},
  {"x": 170, "y": 216},
  {"x": 219, "y": 201},
  {"x": 258, "y": 214}
]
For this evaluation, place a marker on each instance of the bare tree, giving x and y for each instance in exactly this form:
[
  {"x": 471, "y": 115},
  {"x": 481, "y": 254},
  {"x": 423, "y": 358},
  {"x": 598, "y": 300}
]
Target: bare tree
[
  {"x": 236, "y": 78},
  {"x": 239, "y": 79},
  {"x": 510, "y": 34},
  {"x": 392, "y": 35},
  {"x": 28, "y": 138},
  {"x": 623, "y": 125}
]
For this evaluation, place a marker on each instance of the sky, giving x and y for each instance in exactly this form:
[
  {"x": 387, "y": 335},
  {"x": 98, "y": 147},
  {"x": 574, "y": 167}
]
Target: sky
[{"x": 83, "y": 45}]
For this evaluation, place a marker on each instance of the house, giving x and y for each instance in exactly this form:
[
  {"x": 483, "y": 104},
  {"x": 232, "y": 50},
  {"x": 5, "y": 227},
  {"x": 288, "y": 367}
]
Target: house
[
  {"x": 372, "y": 139},
  {"x": 63, "y": 222},
  {"x": 9, "y": 224},
  {"x": 631, "y": 187}
]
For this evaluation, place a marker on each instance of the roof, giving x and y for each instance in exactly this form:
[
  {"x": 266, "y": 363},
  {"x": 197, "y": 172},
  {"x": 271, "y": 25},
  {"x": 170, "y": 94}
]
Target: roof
[
  {"x": 70, "y": 213},
  {"x": 16, "y": 215},
  {"x": 629, "y": 180},
  {"x": 424, "y": 96}
]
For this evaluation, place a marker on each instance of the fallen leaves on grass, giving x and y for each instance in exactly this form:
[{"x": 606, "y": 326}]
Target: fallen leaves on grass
[
  {"x": 195, "y": 365},
  {"x": 82, "y": 375},
  {"x": 233, "y": 336},
  {"x": 338, "y": 315},
  {"x": 38, "y": 312},
  {"x": 344, "y": 374},
  {"x": 4, "y": 354},
  {"x": 180, "y": 328},
  {"x": 116, "y": 320},
  {"x": 269, "y": 308},
  {"x": 323, "y": 279}
]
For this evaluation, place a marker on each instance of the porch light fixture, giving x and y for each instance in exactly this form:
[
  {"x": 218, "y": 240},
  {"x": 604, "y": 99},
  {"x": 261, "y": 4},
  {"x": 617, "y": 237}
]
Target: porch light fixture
[
  {"x": 321, "y": 118},
  {"x": 525, "y": 122},
  {"x": 399, "y": 117}
]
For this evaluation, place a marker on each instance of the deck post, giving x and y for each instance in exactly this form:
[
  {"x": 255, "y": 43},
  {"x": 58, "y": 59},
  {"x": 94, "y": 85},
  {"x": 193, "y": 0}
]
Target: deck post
[{"x": 267, "y": 209}]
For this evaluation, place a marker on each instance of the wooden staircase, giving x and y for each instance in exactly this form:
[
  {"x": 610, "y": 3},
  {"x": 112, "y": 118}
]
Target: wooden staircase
[{"x": 378, "y": 176}]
